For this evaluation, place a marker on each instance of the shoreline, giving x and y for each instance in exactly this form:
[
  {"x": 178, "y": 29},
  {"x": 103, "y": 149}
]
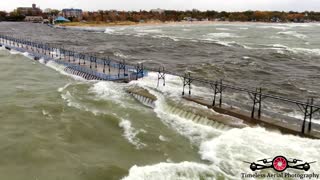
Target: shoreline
[{"x": 129, "y": 23}]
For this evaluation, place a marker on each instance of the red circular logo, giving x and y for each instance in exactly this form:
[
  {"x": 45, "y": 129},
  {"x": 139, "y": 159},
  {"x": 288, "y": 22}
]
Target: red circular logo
[{"x": 280, "y": 163}]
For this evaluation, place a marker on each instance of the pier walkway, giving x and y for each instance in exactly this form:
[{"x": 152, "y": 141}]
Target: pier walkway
[{"x": 88, "y": 66}]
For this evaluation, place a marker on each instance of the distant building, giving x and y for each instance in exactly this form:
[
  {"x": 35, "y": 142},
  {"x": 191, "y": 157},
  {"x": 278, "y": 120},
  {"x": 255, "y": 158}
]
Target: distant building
[
  {"x": 275, "y": 20},
  {"x": 35, "y": 19},
  {"x": 48, "y": 10},
  {"x": 46, "y": 21},
  {"x": 187, "y": 18},
  {"x": 72, "y": 13},
  {"x": 190, "y": 19},
  {"x": 158, "y": 10},
  {"x": 61, "y": 19},
  {"x": 29, "y": 11}
]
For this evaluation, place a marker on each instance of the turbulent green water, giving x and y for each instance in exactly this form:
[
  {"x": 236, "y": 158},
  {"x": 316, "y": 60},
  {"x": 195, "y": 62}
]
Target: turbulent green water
[{"x": 48, "y": 132}]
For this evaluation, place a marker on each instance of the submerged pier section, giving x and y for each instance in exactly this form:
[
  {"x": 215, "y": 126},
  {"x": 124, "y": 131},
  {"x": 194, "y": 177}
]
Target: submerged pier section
[{"x": 87, "y": 66}]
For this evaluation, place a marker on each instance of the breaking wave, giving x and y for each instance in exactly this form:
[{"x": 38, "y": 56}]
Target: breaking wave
[
  {"x": 222, "y": 29},
  {"x": 294, "y": 34},
  {"x": 121, "y": 55},
  {"x": 148, "y": 30},
  {"x": 109, "y": 31},
  {"x": 131, "y": 133},
  {"x": 275, "y": 27},
  {"x": 227, "y": 153},
  {"x": 282, "y": 48},
  {"x": 168, "y": 171},
  {"x": 223, "y": 35},
  {"x": 222, "y": 151}
]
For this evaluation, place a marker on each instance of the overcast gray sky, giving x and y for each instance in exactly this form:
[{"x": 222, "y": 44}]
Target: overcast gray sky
[{"x": 219, "y": 5}]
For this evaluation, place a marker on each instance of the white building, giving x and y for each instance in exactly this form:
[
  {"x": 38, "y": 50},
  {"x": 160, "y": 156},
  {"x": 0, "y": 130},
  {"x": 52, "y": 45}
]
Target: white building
[{"x": 158, "y": 10}]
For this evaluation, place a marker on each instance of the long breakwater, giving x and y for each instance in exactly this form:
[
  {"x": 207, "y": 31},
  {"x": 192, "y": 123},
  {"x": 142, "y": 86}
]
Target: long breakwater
[{"x": 94, "y": 68}]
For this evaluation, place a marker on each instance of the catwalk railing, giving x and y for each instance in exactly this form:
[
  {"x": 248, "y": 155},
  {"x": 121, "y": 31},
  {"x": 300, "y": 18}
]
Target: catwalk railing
[
  {"x": 308, "y": 108},
  {"x": 74, "y": 59}
]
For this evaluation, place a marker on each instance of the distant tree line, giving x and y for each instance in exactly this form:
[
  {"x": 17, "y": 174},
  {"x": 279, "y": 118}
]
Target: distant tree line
[
  {"x": 170, "y": 15},
  {"x": 255, "y": 16}
]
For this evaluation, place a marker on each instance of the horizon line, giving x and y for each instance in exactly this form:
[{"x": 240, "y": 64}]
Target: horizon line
[{"x": 150, "y": 9}]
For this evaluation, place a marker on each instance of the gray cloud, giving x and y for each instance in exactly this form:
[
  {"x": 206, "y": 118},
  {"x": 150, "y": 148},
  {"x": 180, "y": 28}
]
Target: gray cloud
[{"x": 219, "y": 5}]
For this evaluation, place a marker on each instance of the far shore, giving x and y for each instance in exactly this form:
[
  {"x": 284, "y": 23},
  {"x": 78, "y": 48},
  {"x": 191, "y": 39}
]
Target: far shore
[{"x": 130, "y": 23}]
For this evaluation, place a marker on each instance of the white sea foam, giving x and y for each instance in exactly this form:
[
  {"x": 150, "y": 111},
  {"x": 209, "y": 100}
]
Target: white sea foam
[
  {"x": 251, "y": 144},
  {"x": 73, "y": 102},
  {"x": 14, "y": 52},
  {"x": 307, "y": 51},
  {"x": 171, "y": 171},
  {"x": 294, "y": 34},
  {"x": 279, "y": 46},
  {"x": 223, "y": 35},
  {"x": 187, "y": 127},
  {"x": 60, "y": 68},
  {"x": 149, "y": 30},
  {"x": 162, "y": 138},
  {"x": 130, "y": 133},
  {"x": 297, "y": 50},
  {"x": 64, "y": 87},
  {"x": 222, "y": 29},
  {"x": 121, "y": 55},
  {"x": 109, "y": 31},
  {"x": 298, "y": 25},
  {"x": 220, "y": 42},
  {"x": 111, "y": 91},
  {"x": 275, "y": 27},
  {"x": 282, "y": 48},
  {"x": 42, "y": 61},
  {"x": 225, "y": 150},
  {"x": 174, "y": 38},
  {"x": 173, "y": 88},
  {"x": 70, "y": 100},
  {"x": 227, "y": 153}
]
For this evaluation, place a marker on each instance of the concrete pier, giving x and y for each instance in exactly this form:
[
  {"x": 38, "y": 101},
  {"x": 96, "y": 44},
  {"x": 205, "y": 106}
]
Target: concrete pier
[{"x": 286, "y": 125}]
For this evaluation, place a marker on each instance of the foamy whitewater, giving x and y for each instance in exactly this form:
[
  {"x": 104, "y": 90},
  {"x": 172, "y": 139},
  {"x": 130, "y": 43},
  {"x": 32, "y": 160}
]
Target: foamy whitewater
[{"x": 96, "y": 130}]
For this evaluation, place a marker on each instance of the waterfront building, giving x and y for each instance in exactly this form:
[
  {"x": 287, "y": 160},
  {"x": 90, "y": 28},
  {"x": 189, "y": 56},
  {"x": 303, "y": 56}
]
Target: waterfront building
[
  {"x": 29, "y": 11},
  {"x": 35, "y": 19},
  {"x": 72, "y": 13},
  {"x": 61, "y": 19},
  {"x": 158, "y": 10}
]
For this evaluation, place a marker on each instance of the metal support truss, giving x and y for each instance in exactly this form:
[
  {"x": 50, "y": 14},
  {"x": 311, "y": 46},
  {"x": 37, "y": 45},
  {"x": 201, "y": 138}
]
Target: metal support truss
[
  {"x": 139, "y": 70},
  {"x": 187, "y": 82},
  {"x": 161, "y": 75}
]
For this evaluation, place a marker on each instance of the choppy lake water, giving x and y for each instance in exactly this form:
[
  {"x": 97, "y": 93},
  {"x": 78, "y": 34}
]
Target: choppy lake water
[{"x": 58, "y": 126}]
